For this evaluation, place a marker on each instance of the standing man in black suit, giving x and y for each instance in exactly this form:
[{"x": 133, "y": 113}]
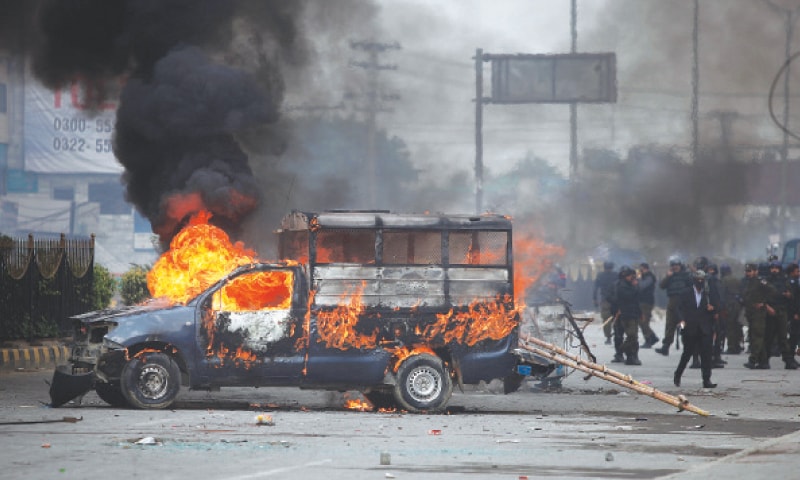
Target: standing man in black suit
[{"x": 697, "y": 311}]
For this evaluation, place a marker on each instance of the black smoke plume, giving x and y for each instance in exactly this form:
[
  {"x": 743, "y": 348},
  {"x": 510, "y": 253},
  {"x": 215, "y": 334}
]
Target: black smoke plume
[{"x": 186, "y": 95}]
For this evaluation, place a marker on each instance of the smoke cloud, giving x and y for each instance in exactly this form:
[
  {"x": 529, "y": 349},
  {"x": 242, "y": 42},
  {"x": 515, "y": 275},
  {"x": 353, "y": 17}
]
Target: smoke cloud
[
  {"x": 667, "y": 202},
  {"x": 198, "y": 75},
  {"x": 202, "y": 122}
]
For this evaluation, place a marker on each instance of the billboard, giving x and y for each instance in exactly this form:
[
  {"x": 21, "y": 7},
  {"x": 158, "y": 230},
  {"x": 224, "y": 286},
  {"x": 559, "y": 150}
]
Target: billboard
[
  {"x": 561, "y": 78},
  {"x": 63, "y": 134}
]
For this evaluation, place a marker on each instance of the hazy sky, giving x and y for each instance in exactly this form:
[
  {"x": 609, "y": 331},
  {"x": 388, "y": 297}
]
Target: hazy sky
[
  {"x": 436, "y": 69},
  {"x": 741, "y": 49},
  {"x": 306, "y": 48}
]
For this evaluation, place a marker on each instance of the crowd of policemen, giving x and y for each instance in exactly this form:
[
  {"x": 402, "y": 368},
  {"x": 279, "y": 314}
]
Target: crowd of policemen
[{"x": 707, "y": 309}]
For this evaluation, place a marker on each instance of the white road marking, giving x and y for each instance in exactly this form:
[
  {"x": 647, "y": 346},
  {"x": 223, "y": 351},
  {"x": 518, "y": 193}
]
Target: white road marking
[{"x": 280, "y": 470}]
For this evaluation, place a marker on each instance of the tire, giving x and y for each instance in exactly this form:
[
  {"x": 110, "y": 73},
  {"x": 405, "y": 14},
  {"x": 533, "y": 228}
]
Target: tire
[
  {"x": 423, "y": 384},
  {"x": 151, "y": 381},
  {"x": 381, "y": 400},
  {"x": 111, "y": 393}
]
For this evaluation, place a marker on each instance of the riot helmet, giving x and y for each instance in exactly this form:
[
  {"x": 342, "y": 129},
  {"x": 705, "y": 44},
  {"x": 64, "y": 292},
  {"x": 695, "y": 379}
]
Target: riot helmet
[
  {"x": 763, "y": 268},
  {"x": 625, "y": 271},
  {"x": 701, "y": 263}
]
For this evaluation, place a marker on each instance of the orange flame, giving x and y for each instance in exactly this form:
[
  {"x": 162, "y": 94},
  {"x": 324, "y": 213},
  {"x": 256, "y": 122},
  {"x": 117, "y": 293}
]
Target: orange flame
[
  {"x": 480, "y": 321},
  {"x": 337, "y": 327},
  {"x": 260, "y": 291},
  {"x": 401, "y": 353},
  {"x": 532, "y": 258},
  {"x": 357, "y": 404},
  {"x": 199, "y": 255}
]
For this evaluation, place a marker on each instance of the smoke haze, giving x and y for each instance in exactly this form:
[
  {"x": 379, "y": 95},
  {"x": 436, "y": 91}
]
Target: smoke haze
[{"x": 206, "y": 117}]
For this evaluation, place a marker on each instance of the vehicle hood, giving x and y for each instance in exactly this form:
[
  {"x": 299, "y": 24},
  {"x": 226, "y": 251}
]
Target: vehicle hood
[
  {"x": 151, "y": 322},
  {"x": 114, "y": 314}
]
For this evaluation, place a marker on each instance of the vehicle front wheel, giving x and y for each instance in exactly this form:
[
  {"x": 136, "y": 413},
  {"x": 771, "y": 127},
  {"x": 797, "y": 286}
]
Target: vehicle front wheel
[
  {"x": 151, "y": 381},
  {"x": 423, "y": 384},
  {"x": 111, "y": 393}
]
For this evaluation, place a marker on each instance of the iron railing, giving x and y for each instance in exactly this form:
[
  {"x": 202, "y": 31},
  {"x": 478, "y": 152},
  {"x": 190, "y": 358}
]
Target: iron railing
[{"x": 43, "y": 281}]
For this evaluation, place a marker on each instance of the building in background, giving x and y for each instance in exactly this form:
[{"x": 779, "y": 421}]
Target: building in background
[{"x": 58, "y": 173}]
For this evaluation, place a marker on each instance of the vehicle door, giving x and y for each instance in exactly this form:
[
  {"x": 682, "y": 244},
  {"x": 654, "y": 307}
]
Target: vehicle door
[{"x": 250, "y": 329}]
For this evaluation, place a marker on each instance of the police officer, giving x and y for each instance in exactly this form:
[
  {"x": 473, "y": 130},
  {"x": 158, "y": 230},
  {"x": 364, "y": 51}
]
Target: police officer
[
  {"x": 697, "y": 311},
  {"x": 604, "y": 284},
  {"x": 716, "y": 287},
  {"x": 702, "y": 264},
  {"x": 675, "y": 282},
  {"x": 647, "y": 298},
  {"x": 793, "y": 274},
  {"x": 777, "y": 323},
  {"x": 628, "y": 312},
  {"x": 756, "y": 292},
  {"x": 732, "y": 309}
]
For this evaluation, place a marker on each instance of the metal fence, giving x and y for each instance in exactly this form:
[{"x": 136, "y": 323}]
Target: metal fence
[{"x": 43, "y": 281}]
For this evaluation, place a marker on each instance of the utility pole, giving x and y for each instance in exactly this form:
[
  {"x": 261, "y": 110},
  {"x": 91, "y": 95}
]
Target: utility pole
[
  {"x": 573, "y": 106},
  {"x": 791, "y": 16},
  {"x": 478, "y": 131},
  {"x": 573, "y": 133},
  {"x": 373, "y": 104},
  {"x": 695, "y": 81}
]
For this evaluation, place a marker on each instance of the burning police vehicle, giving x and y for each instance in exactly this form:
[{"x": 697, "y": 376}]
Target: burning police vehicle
[{"x": 397, "y": 306}]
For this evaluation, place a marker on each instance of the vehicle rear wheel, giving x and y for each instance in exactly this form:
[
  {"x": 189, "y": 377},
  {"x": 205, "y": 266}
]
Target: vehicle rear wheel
[
  {"x": 381, "y": 400},
  {"x": 111, "y": 393},
  {"x": 151, "y": 381},
  {"x": 423, "y": 384}
]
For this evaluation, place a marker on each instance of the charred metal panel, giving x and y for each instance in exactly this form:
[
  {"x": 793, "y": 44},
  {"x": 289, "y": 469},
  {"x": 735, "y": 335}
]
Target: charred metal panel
[
  {"x": 347, "y": 219},
  {"x": 408, "y": 287},
  {"x": 336, "y": 284},
  {"x": 470, "y": 284},
  {"x": 490, "y": 361},
  {"x": 258, "y": 329},
  {"x": 333, "y": 368},
  {"x": 376, "y": 219},
  {"x": 295, "y": 221}
]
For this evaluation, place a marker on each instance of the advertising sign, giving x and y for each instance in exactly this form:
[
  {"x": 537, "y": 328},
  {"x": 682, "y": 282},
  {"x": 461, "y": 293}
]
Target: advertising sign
[
  {"x": 562, "y": 78},
  {"x": 64, "y": 134}
]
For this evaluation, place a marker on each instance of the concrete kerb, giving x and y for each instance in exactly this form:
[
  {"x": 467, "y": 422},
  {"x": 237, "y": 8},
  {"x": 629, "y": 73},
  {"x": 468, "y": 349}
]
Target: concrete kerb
[
  {"x": 779, "y": 456},
  {"x": 30, "y": 357}
]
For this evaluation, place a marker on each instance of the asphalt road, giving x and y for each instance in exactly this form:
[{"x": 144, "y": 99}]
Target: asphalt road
[{"x": 585, "y": 429}]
